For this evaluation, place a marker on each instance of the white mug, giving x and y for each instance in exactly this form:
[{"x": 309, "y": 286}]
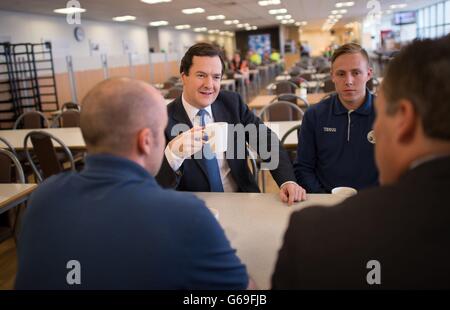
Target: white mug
[
  {"x": 344, "y": 191},
  {"x": 217, "y": 136}
]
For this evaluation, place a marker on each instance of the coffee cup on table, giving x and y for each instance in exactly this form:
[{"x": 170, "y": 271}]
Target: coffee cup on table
[{"x": 344, "y": 191}]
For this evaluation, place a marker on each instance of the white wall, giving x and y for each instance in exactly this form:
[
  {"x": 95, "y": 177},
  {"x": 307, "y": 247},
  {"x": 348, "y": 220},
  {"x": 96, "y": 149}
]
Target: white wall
[
  {"x": 175, "y": 41},
  {"x": 178, "y": 41},
  {"x": 318, "y": 40},
  {"x": 33, "y": 28}
]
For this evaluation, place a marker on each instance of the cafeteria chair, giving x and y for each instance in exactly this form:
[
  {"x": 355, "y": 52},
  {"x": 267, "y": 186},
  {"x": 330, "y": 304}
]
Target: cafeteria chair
[
  {"x": 31, "y": 120},
  {"x": 67, "y": 118},
  {"x": 292, "y": 152},
  {"x": 10, "y": 219},
  {"x": 174, "y": 92},
  {"x": 328, "y": 86},
  {"x": 292, "y": 98},
  {"x": 46, "y": 155},
  {"x": 70, "y": 106},
  {"x": 282, "y": 87},
  {"x": 281, "y": 111},
  {"x": 8, "y": 145}
]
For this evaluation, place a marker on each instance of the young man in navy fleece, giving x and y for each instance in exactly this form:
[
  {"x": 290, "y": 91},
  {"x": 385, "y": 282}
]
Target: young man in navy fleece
[{"x": 336, "y": 143}]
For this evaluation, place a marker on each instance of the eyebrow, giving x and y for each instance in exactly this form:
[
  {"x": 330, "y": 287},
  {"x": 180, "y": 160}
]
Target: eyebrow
[
  {"x": 201, "y": 72},
  {"x": 342, "y": 70}
]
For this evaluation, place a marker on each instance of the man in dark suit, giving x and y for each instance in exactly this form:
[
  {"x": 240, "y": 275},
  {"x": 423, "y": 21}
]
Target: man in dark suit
[
  {"x": 190, "y": 164},
  {"x": 396, "y": 236}
]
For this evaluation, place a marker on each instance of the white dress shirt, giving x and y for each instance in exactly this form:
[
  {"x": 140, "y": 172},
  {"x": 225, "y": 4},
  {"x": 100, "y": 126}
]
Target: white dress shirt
[{"x": 175, "y": 162}]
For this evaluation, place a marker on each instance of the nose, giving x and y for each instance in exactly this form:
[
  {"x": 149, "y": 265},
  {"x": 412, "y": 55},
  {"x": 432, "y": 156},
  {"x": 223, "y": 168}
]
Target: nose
[
  {"x": 349, "y": 80},
  {"x": 208, "y": 82}
]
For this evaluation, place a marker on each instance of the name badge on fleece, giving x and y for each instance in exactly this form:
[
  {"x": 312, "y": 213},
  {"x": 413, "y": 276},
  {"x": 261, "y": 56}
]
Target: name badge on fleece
[
  {"x": 329, "y": 129},
  {"x": 371, "y": 137}
]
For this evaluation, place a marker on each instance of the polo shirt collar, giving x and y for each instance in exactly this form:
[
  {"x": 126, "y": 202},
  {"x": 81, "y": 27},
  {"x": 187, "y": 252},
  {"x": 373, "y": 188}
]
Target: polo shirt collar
[{"x": 364, "y": 109}]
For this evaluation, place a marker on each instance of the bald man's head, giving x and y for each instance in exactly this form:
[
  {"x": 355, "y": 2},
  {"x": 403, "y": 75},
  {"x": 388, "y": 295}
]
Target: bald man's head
[{"x": 115, "y": 110}]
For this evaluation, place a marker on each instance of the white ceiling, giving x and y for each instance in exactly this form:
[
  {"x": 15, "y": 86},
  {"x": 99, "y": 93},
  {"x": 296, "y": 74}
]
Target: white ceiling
[{"x": 246, "y": 11}]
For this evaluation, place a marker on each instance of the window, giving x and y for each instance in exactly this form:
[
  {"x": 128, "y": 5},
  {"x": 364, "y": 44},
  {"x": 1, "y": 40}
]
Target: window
[
  {"x": 440, "y": 14},
  {"x": 426, "y": 17},
  {"x": 433, "y": 32},
  {"x": 434, "y": 20},
  {"x": 420, "y": 19},
  {"x": 433, "y": 15},
  {"x": 447, "y": 12}
]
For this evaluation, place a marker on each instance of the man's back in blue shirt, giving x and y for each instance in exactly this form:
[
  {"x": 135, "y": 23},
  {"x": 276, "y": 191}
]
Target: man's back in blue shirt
[
  {"x": 335, "y": 147},
  {"x": 125, "y": 232}
]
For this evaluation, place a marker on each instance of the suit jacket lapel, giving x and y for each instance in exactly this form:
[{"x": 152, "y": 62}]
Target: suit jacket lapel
[{"x": 179, "y": 113}]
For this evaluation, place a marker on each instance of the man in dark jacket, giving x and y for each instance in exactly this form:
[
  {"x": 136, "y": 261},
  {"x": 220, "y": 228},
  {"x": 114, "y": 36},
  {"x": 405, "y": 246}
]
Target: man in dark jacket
[
  {"x": 186, "y": 165},
  {"x": 395, "y": 236}
]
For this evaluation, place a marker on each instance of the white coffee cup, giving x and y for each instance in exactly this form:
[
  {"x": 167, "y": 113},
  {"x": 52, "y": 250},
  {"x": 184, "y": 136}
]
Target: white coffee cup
[
  {"x": 344, "y": 191},
  {"x": 217, "y": 136}
]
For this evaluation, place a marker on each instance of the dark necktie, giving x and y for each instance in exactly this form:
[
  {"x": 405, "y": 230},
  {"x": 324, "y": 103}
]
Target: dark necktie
[{"x": 210, "y": 160}]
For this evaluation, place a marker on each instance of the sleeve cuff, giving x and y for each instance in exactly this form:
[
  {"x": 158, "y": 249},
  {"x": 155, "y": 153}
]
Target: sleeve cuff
[
  {"x": 287, "y": 182},
  {"x": 174, "y": 161}
]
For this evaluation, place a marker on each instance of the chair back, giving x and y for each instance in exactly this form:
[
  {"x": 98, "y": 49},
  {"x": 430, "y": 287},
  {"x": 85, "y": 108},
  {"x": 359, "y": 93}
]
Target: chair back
[
  {"x": 328, "y": 86},
  {"x": 173, "y": 79},
  {"x": 32, "y": 120},
  {"x": 283, "y": 87},
  {"x": 292, "y": 153},
  {"x": 281, "y": 111},
  {"x": 174, "y": 92},
  {"x": 324, "y": 70},
  {"x": 67, "y": 118},
  {"x": 70, "y": 106},
  {"x": 7, "y": 160},
  {"x": 301, "y": 102},
  {"x": 292, "y": 98},
  {"x": 8, "y": 145},
  {"x": 45, "y": 153},
  {"x": 168, "y": 84},
  {"x": 307, "y": 76}
]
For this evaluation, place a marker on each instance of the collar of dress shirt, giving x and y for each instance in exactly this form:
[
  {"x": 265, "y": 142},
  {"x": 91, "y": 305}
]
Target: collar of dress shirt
[
  {"x": 425, "y": 159},
  {"x": 192, "y": 111}
]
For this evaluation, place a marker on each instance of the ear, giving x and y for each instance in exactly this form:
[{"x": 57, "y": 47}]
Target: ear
[
  {"x": 183, "y": 77},
  {"x": 144, "y": 141},
  {"x": 369, "y": 73},
  {"x": 406, "y": 122}
]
